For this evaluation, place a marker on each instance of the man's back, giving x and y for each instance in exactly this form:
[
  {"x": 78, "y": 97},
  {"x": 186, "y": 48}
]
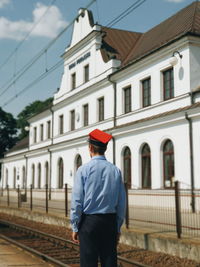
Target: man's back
[
  {"x": 97, "y": 205},
  {"x": 101, "y": 181}
]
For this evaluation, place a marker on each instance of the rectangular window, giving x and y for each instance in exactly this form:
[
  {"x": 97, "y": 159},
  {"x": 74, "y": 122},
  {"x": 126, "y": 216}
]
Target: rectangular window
[
  {"x": 73, "y": 81},
  {"x": 72, "y": 120},
  {"x": 127, "y": 99},
  {"x": 85, "y": 115},
  {"x": 35, "y": 134},
  {"x": 61, "y": 121},
  {"x": 48, "y": 129},
  {"x": 101, "y": 108},
  {"x": 168, "y": 84},
  {"x": 86, "y": 73},
  {"x": 146, "y": 92},
  {"x": 41, "y": 132}
]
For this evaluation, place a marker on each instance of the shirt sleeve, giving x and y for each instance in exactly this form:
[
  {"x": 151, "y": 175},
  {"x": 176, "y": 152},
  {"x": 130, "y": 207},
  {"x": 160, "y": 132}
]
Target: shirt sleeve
[
  {"x": 77, "y": 201},
  {"x": 121, "y": 206}
]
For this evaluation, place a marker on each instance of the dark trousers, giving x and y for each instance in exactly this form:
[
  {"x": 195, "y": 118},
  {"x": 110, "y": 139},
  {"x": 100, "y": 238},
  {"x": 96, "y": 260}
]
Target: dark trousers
[{"x": 98, "y": 239}]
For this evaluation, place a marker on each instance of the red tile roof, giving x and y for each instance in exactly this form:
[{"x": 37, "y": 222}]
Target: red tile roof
[
  {"x": 130, "y": 46},
  {"x": 118, "y": 43},
  {"x": 22, "y": 144}
]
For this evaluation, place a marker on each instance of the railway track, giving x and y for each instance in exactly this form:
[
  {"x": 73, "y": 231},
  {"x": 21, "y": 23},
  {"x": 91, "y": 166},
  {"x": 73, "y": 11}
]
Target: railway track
[{"x": 53, "y": 249}]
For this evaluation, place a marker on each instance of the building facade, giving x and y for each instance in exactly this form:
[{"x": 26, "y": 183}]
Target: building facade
[{"x": 143, "y": 88}]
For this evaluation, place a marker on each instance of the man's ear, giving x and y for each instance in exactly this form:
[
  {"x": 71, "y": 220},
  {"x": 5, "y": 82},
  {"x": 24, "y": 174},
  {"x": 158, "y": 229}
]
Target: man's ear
[{"x": 90, "y": 147}]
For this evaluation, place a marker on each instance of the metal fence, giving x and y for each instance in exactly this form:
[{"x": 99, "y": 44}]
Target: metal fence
[
  {"x": 49, "y": 200},
  {"x": 160, "y": 210}
]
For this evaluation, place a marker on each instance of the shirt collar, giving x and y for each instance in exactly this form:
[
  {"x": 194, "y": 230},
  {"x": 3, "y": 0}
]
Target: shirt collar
[{"x": 99, "y": 157}]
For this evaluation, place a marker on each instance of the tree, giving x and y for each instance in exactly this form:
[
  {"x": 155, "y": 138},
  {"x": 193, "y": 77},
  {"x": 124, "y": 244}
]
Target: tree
[
  {"x": 8, "y": 131},
  {"x": 29, "y": 111}
]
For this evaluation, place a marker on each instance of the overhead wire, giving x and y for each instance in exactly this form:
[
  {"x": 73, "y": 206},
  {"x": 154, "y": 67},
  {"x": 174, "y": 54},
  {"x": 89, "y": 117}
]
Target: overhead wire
[
  {"x": 126, "y": 12},
  {"x": 41, "y": 77},
  {"x": 27, "y": 35},
  {"x": 26, "y": 67},
  {"x": 44, "y": 50}
]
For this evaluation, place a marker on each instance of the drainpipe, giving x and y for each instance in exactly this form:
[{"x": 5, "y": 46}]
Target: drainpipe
[
  {"x": 115, "y": 101},
  {"x": 114, "y": 115},
  {"x": 50, "y": 153},
  {"x": 26, "y": 174},
  {"x": 2, "y": 177},
  {"x": 192, "y": 98},
  {"x": 191, "y": 161},
  {"x": 50, "y": 172}
]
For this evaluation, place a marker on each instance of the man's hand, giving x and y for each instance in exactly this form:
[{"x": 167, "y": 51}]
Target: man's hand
[{"x": 75, "y": 237}]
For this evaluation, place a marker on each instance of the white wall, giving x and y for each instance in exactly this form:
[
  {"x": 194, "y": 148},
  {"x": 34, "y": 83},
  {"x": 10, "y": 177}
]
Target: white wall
[
  {"x": 36, "y": 123},
  {"x": 9, "y": 166},
  {"x": 155, "y": 136},
  {"x": 194, "y": 67},
  {"x": 139, "y": 72}
]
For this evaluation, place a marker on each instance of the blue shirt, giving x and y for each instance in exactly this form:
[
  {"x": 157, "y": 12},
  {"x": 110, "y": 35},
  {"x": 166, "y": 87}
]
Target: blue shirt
[{"x": 98, "y": 188}]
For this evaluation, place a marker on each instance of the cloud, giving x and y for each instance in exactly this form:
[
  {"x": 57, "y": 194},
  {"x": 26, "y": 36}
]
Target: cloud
[
  {"x": 175, "y": 1},
  {"x": 4, "y": 2},
  {"x": 49, "y": 26}
]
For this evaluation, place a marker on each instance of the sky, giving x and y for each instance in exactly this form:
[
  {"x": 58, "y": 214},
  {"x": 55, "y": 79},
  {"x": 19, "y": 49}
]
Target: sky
[{"x": 29, "y": 47}]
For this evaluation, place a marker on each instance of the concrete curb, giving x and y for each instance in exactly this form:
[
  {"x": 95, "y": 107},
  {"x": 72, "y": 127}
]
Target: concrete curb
[{"x": 166, "y": 242}]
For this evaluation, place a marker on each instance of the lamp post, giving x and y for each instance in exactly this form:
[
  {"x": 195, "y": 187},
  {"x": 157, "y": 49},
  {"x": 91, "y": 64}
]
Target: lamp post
[{"x": 173, "y": 59}]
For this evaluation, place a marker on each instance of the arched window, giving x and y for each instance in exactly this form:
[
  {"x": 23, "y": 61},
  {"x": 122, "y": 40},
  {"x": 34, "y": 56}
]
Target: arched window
[
  {"x": 39, "y": 175},
  {"x": 146, "y": 166},
  {"x": 60, "y": 173},
  {"x": 23, "y": 177},
  {"x": 168, "y": 163},
  {"x": 127, "y": 166},
  {"x": 47, "y": 173},
  {"x": 14, "y": 177},
  {"x": 33, "y": 176},
  {"x": 78, "y": 162}
]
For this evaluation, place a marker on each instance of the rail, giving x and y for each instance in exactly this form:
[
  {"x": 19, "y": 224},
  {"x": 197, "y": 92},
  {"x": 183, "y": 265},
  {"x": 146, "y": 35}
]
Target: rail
[
  {"x": 49, "y": 247},
  {"x": 158, "y": 209}
]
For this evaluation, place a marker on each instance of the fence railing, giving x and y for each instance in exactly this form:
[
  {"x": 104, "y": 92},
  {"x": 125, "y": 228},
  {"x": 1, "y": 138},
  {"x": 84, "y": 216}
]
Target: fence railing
[
  {"x": 159, "y": 210},
  {"x": 57, "y": 201}
]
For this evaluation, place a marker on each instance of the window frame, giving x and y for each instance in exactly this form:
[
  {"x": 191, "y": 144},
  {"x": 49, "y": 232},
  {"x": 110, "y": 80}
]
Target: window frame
[
  {"x": 144, "y": 90},
  {"x": 60, "y": 173},
  {"x": 170, "y": 80},
  {"x": 171, "y": 170},
  {"x": 127, "y": 99},
  {"x": 41, "y": 132},
  {"x": 39, "y": 175},
  {"x": 35, "y": 134},
  {"x": 49, "y": 129},
  {"x": 33, "y": 176},
  {"x": 146, "y": 159},
  {"x": 61, "y": 124},
  {"x": 101, "y": 109},
  {"x": 127, "y": 158},
  {"x": 85, "y": 115},
  {"x": 73, "y": 81},
  {"x": 72, "y": 120},
  {"x": 86, "y": 73}
]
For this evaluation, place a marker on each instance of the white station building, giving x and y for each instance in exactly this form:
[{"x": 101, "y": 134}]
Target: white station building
[{"x": 143, "y": 88}]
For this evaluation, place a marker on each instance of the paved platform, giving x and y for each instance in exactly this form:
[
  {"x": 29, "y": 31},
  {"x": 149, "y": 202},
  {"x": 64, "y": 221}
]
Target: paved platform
[
  {"x": 11, "y": 256},
  {"x": 146, "y": 238}
]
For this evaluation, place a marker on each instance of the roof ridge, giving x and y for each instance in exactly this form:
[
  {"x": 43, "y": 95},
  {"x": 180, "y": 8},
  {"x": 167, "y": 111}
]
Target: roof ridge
[
  {"x": 167, "y": 31},
  {"x": 115, "y": 29},
  {"x": 133, "y": 48},
  {"x": 194, "y": 17}
]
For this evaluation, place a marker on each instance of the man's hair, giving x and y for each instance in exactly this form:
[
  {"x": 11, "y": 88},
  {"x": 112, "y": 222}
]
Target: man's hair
[{"x": 99, "y": 150}]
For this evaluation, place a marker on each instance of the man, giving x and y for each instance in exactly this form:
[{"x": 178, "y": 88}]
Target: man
[{"x": 98, "y": 205}]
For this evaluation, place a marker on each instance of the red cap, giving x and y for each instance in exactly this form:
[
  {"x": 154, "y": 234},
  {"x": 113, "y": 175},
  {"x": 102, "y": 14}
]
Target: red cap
[{"x": 99, "y": 138}]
